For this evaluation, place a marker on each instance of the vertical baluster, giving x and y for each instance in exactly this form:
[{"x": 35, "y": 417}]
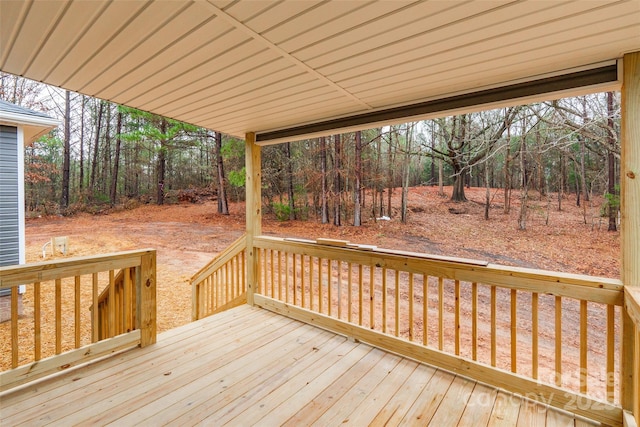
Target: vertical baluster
[
  {"x": 384, "y": 300},
  {"x": 456, "y": 322},
  {"x": 117, "y": 304},
  {"x": 273, "y": 277},
  {"x": 77, "y": 311},
  {"x": 372, "y": 302},
  {"x": 611, "y": 348},
  {"x": 329, "y": 286},
  {"x": 397, "y": 303},
  {"x": 128, "y": 301},
  {"x": 237, "y": 274},
  {"x": 286, "y": 277},
  {"x": 58, "y": 303},
  {"x": 493, "y": 325},
  {"x": 320, "y": 293},
  {"x": 534, "y": 335},
  {"x": 216, "y": 288},
  {"x": 425, "y": 309},
  {"x": 14, "y": 327},
  {"x": 279, "y": 270},
  {"x": 228, "y": 279},
  {"x": 514, "y": 330},
  {"x": 583, "y": 346},
  {"x": 349, "y": 291},
  {"x": 474, "y": 321},
  {"x": 220, "y": 288},
  {"x": 558, "y": 309},
  {"x": 243, "y": 272},
  {"x": 311, "y": 266},
  {"x": 303, "y": 290},
  {"x": 94, "y": 313},
  {"x": 231, "y": 278},
  {"x": 37, "y": 322},
  {"x": 440, "y": 313},
  {"x": 411, "y": 296},
  {"x": 295, "y": 275},
  {"x": 339, "y": 284},
  {"x": 360, "y": 298},
  {"x": 213, "y": 293},
  {"x": 112, "y": 304}
]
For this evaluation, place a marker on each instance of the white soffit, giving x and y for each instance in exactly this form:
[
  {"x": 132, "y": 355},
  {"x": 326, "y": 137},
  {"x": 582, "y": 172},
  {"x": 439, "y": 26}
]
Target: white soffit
[{"x": 258, "y": 66}]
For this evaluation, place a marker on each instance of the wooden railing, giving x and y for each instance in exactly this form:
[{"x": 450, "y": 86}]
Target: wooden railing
[
  {"x": 221, "y": 284},
  {"x": 545, "y": 335},
  {"x": 61, "y": 293},
  {"x": 119, "y": 317},
  {"x": 632, "y": 308}
]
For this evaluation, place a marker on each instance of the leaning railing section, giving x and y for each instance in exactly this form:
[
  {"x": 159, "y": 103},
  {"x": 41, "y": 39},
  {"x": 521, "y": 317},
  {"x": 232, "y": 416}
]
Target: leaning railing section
[
  {"x": 63, "y": 292},
  {"x": 221, "y": 284},
  {"x": 547, "y": 336}
]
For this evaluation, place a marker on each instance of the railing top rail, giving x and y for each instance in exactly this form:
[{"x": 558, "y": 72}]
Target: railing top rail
[
  {"x": 590, "y": 288},
  {"x": 231, "y": 250},
  {"x": 15, "y": 275}
]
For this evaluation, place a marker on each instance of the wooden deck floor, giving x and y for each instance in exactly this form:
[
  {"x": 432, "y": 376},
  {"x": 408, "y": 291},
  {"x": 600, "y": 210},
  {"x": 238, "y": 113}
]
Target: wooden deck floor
[{"x": 248, "y": 366}]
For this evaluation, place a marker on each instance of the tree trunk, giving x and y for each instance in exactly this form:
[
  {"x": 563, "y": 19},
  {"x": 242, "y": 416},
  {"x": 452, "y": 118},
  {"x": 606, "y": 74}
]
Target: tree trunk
[
  {"x": 440, "y": 178},
  {"x": 106, "y": 153},
  {"x": 611, "y": 164},
  {"x": 357, "y": 211},
  {"x": 337, "y": 205},
  {"x": 223, "y": 206},
  {"x": 583, "y": 174},
  {"x": 96, "y": 146},
  {"x": 406, "y": 169},
  {"x": 524, "y": 196},
  {"x": 458, "y": 186},
  {"x": 116, "y": 162},
  {"x": 324, "y": 202},
  {"x": 162, "y": 163},
  {"x": 458, "y": 171},
  {"x": 292, "y": 204},
  {"x": 507, "y": 174},
  {"x": 81, "y": 179},
  {"x": 390, "y": 166},
  {"x": 563, "y": 172},
  {"x": 487, "y": 203},
  {"x": 64, "y": 199}
]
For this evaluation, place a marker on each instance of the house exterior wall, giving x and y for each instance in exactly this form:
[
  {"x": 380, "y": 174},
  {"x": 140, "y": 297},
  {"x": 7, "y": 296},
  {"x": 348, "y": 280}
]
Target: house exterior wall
[{"x": 12, "y": 233}]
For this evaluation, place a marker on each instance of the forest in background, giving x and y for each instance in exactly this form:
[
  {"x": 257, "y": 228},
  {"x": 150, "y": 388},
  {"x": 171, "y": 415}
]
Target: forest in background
[{"x": 105, "y": 156}]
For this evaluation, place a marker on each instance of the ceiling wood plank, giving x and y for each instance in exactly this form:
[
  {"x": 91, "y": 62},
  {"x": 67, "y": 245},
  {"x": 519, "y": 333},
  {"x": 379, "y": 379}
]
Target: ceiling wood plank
[
  {"x": 276, "y": 71},
  {"x": 192, "y": 67},
  {"x": 91, "y": 43},
  {"x": 519, "y": 53},
  {"x": 285, "y": 55},
  {"x": 170, "y": 31}
]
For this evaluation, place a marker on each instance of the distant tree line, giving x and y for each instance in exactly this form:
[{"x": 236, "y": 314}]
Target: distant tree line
[{"x": 107, "y": 155}]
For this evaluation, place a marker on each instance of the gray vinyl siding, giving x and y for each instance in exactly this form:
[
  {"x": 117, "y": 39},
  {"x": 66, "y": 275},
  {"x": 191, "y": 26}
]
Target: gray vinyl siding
[{"x": 9, "y": 217}]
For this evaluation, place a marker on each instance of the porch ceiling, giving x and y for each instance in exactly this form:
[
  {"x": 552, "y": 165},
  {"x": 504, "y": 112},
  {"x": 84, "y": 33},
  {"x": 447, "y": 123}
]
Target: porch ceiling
[{"x": 259, "y": 66}]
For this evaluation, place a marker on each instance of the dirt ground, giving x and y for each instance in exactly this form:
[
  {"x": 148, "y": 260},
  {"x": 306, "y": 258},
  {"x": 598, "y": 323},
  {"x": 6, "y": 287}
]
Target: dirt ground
[{"x": 187, "y": 236}]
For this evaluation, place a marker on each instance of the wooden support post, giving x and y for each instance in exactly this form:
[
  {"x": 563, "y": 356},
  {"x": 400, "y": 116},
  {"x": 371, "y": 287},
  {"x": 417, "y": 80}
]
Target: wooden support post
[
  {"x": 254, "y": 210},
  {"x": 630, "y": 210},
  {"x": 146, "y": 298}
]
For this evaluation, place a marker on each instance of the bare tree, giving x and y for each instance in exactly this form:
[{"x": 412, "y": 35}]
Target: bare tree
[
  {"x": 223, "y": 206},
  {"x": 357, "y": 210},
  {"x": 66, "y": 162}
]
